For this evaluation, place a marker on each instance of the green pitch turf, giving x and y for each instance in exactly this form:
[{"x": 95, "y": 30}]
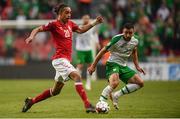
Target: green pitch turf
[{"x": 156, "y": 99}]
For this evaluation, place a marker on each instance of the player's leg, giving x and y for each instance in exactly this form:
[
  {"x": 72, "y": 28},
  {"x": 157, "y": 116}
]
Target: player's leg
[
  {"x": 80, "y": 90},
  {"x": 88, "y": 79},
  {"x": 44, "y": 95},
  {"x": 80, "y": 61},
  {"x": 112, "y": 73},
  {"x": 49, "y": 92},
  {"x": 58, "y": 85},
  {"x": 79, "y": 68},
  {"x": 134, "y": 83},
  {"x": 88, "y": 82},
  {"x": 88, "y": 61},
  {"x": 136, "y": 79},
  {"x": 113, "y": 83}
]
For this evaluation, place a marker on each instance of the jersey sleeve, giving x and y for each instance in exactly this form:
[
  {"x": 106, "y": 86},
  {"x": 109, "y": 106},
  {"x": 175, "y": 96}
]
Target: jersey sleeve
[
  {"x": 112, "y": 42},
  {"x": 74, "y": 26},
  {"x": 48, "y": 26}
]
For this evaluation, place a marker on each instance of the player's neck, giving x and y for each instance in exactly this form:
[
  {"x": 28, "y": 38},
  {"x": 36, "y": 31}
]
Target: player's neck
[
  {"x": 126, "y": 39},
  {"x": 64, "y": 22},
  {"x": 61, "y": 20}
]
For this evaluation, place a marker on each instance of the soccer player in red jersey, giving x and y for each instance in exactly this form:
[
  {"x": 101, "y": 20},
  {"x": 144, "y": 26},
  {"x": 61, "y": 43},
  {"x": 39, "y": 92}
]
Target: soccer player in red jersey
[{"x": 61, "y": 30}]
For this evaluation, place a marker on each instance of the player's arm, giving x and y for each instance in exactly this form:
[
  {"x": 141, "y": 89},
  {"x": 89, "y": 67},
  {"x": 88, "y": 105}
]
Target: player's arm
[
  {"x": 91, "y": 69},
  {"x": 136, "y": 62},
  {"x": 33, "y": 34},
  {"x": 85, "y": 28}
]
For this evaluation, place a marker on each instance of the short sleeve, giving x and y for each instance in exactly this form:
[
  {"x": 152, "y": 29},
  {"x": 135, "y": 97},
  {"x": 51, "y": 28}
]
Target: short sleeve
[
  {"x": 113, "y": 41},
  {"x": 74, "y": 26},
  {"x": 48, "y": 26}
]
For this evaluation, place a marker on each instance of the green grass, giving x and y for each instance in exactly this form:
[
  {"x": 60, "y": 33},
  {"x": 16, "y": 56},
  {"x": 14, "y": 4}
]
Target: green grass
[{"x": 156, "y": 99}]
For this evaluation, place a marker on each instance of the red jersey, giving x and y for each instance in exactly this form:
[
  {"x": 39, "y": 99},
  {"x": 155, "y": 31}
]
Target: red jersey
[{"x": 62, "y": 37}]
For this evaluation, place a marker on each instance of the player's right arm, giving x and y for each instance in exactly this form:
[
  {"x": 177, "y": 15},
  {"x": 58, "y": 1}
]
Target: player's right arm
[
  {"x": 92, "y": 68},
  {"x": 85, "y": 28},
  {"x": 46, "y": 27},
  {"x": 33, "y": 34}
]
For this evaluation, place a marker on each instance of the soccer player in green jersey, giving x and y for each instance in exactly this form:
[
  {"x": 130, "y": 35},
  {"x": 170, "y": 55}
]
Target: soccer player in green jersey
[
  {"x": 84, "y": 49},
  {"x": 121, "y": 47}
]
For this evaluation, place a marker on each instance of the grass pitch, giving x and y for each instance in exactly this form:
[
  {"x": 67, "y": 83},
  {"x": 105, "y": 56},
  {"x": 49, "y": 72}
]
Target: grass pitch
[{"x": 156, "y": 99}]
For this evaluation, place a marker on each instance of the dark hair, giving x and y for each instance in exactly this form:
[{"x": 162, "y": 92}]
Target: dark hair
[
  {"x": 128, "y": 26},
  {"x": 59, "y": 8}
]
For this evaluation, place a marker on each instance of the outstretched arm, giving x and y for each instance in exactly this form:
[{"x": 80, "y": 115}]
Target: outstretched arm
[
  {"x": 91, "y": 69},
  {"x": 33, "y": 34},
  {"x": 85, "y": 28},
  {"x": 135, "y": 60}
]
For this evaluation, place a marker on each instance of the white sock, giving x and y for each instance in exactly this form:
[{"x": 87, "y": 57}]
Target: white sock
[
  {"x": 105, "y": 93},
  {"x": 88, "y": 80},
  {"x": 129, "y": 88}
]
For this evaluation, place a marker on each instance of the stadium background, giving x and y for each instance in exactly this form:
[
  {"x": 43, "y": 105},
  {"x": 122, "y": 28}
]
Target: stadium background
[{"x": 156, "y": 22}]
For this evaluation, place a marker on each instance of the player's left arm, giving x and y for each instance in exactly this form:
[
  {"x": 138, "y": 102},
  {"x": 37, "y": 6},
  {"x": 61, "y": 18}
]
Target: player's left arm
[
  {"x": 85, "y": 28},
  {"x": 136, "y": 62}
]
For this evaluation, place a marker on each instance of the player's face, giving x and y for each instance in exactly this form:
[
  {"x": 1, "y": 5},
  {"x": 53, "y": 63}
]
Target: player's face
[
  {"x": 66, "y": 14},
  {"x": 128, "y": 33},
  {"x": 85, "y": 19}
]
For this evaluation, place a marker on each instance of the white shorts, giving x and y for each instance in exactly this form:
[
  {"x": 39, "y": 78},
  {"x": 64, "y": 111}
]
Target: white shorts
[{"x": 63, "y": 69}]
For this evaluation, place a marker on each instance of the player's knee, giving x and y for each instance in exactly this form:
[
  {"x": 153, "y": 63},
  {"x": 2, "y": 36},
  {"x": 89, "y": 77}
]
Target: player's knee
[
  {"x": 114, "y": 80},
  {"x": 77, "y": 78},
  {"x": 114, "y": 77},
  {"x": 115, "y": 84},
  {"x": 141, "y": 83}
]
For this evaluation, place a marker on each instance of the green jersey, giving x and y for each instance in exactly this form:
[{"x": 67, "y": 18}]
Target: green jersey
[{"x": 120, "y": 49}]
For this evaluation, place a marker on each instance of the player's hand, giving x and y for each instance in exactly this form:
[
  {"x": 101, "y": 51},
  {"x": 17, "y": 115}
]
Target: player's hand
[
  {"x": 91, "y": 69},
  {"x": 99, "y": 20},
  {"x": 141, "y": 70},
  {"x": 28, "y": 40}
]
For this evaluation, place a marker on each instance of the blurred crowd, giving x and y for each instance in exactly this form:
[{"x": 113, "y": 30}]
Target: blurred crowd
[{"x": 156, "y": 23}]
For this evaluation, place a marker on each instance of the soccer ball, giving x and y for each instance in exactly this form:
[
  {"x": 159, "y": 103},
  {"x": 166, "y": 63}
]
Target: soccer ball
[{"x": 102, "y": 107}]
